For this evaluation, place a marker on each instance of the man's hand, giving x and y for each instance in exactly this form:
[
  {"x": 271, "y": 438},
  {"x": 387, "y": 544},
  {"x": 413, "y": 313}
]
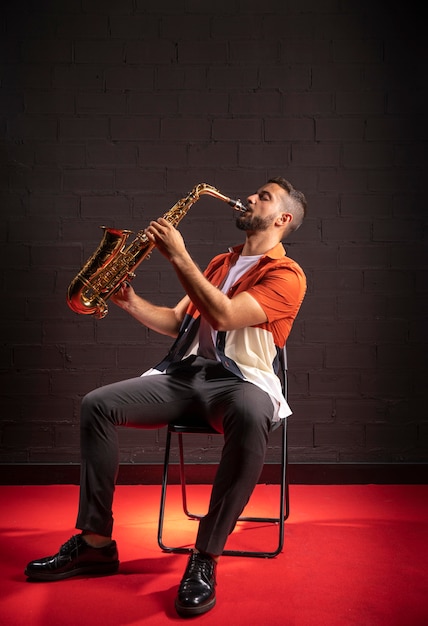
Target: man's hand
[{"x": 167, "y": 238}]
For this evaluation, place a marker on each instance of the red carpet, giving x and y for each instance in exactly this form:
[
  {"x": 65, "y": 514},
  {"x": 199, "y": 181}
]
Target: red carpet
[{"x": 353, "y": 556}]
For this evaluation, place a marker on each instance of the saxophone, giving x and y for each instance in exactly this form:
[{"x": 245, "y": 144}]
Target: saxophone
[{"x": 112, "y": 264}]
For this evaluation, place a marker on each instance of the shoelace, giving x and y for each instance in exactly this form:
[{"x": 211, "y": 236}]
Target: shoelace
[
  {"x": 69, "y": 545},
  {"x": 200, "y": 565}
]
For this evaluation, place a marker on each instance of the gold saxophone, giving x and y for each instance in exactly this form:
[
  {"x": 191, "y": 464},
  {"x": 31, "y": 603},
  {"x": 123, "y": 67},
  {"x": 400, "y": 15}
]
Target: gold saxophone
[{"x": 112, "y": 264}]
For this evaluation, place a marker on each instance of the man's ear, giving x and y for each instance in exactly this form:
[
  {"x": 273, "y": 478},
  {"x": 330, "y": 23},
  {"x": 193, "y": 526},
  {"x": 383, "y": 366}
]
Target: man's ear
[{"x": 284, "y": 218}]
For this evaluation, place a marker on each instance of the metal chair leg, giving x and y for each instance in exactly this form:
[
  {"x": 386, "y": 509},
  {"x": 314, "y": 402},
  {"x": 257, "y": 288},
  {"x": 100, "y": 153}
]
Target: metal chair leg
[{"x": 280, "y": 520}]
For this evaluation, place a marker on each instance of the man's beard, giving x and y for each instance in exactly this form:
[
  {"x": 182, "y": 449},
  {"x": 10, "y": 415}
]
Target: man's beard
[{"x": 247, "y": 221}]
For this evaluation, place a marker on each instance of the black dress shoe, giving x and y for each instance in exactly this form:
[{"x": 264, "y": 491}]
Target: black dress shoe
[
  {"x": 75, "y": 558},
  {"x": 196, "y": 594}
]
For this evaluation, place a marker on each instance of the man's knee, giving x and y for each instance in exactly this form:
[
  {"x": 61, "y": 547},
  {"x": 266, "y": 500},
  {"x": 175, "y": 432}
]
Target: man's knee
[{"x": 92, "y": 407}]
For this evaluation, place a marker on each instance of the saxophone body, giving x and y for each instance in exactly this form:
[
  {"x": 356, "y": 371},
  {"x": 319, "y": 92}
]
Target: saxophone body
[{"x": 113, "y": 263}]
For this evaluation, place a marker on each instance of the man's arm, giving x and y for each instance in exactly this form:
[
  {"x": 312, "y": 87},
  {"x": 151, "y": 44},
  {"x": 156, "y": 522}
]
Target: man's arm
[
  {"x": 163, "y": 320},
  {"x": 222, "y": 313}
]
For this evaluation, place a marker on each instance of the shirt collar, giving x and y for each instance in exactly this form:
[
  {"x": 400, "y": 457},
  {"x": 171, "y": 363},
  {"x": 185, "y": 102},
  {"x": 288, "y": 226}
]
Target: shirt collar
[{"x": 277, "y": 252}]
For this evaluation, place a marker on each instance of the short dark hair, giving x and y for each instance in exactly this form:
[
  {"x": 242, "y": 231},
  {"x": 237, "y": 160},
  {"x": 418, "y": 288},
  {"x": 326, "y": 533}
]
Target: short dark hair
[{"x": 299, "y": 204}]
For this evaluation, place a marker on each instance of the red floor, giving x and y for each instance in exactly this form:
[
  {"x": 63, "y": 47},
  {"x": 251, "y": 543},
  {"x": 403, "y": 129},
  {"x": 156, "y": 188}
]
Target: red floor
[{"x": 353, "y": 556}]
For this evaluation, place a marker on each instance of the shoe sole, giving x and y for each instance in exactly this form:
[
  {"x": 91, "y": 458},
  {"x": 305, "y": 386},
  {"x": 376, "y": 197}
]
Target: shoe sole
[
  {"x": 189, "y": 611},
  {"x": 100, "y": 570}
]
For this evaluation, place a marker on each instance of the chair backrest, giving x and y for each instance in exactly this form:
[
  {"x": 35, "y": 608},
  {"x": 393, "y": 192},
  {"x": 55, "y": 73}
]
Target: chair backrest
[{"x": 282, "y": 374}]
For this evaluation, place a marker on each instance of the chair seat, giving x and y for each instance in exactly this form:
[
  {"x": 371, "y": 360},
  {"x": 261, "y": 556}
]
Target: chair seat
[{"x": 193, "y": 425}]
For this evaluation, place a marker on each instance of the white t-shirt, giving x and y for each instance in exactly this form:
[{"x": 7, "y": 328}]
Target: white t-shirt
[{"x": 207, "y": 334}]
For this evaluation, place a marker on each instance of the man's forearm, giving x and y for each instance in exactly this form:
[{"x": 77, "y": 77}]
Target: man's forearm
[
  {"x": 210, "y": 301},
  {"x": 163, "y": 320}
]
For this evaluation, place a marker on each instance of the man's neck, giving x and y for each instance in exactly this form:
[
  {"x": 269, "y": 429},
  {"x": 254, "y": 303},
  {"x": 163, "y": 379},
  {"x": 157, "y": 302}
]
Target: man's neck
[{"x": 258, "y": 243}]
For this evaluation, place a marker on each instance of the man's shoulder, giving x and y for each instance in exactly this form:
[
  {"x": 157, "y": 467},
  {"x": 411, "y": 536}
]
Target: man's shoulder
[{"x": 284, "y": 268}]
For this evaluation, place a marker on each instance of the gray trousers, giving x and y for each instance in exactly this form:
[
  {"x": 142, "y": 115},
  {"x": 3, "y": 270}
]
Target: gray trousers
[{"x": 195, "y": 387}]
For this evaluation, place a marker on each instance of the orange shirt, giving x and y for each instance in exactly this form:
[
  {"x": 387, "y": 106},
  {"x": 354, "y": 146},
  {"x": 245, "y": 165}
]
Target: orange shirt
[{"x": 278, "y": 284}]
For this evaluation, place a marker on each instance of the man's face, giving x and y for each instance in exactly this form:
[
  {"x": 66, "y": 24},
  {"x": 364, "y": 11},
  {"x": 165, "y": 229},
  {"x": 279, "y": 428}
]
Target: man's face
[{"x": 263, "y": 208}]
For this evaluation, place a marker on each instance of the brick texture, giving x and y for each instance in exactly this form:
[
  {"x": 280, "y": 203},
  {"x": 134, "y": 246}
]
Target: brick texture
[{"x": 112, "y": 111}]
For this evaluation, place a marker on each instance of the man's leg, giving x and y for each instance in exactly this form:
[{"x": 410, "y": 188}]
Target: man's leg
[
  {"x": 244, "y": 413},
  {"x": 148, "y": 402},
  {"x": 247, "y": 418},
  {"x": 144, "y": 402}
]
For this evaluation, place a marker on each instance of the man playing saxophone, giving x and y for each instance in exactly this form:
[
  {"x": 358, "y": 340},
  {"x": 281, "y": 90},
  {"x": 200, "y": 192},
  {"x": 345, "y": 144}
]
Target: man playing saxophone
[{"x": 228, "y": 330}]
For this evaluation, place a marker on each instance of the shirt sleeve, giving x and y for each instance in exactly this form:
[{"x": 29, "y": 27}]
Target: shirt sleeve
[{"x": 280, "y": 292}]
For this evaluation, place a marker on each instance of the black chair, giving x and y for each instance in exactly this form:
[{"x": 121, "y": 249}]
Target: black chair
[{"x": 193, "y": 427}]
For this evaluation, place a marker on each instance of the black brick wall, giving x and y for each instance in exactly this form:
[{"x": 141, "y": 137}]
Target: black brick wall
[{"x": 113, "y": 110}]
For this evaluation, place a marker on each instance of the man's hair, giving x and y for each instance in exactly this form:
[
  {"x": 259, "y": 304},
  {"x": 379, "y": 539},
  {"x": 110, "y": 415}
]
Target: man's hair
[{"x": 298, "y": 201}]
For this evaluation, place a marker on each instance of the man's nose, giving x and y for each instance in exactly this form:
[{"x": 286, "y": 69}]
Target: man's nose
[{"x": 251, "y": 199}]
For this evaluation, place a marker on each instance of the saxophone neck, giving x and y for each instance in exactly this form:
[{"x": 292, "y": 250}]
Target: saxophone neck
[{"x": 212, "y": 191}]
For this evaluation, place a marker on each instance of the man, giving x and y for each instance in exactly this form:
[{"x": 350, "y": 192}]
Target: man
[{"x": 229, "y": 327}]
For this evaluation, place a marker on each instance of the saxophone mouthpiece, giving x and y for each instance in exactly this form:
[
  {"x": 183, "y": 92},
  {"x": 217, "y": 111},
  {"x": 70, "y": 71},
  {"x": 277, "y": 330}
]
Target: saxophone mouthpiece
[{"x": 238, "y": 206}]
